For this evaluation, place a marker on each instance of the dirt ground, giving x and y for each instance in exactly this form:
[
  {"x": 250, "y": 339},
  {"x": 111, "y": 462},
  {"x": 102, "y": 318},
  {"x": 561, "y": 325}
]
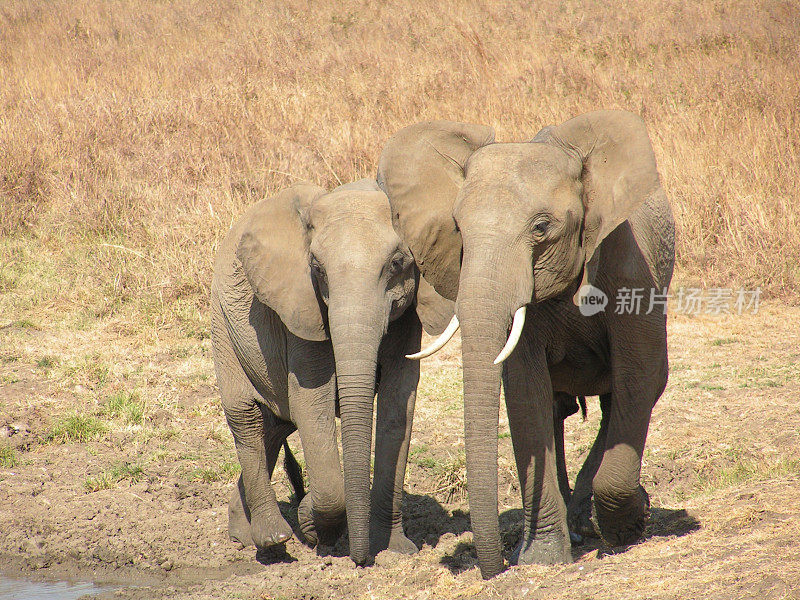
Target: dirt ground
[{"x": 116, "y": 465}]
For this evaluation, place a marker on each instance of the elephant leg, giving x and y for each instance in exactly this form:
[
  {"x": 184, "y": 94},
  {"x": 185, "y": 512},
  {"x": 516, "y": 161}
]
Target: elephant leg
[
  {"x": 294, "y": 472},
  {"x": 239, "y": 520},
  {"x": 312, "y": 404},
  {"x": 529, "y": 402},
  {"x": 563, "y": 407},
  {"x": 639, "y": 356},
  {"x": 397, "y": 393},
  {"x": 579, "y": 509},
  {"x": 239, "y": 516},
  {"x": 253, "y": 497}
]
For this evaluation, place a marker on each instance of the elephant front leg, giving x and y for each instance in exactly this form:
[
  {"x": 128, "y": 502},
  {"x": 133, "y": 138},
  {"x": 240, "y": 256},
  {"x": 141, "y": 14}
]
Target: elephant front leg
[
  {"x": 529, "y": 402},
  {"x": 579, "y": 508},
  {"x": 254, "y": 515},
  {"x": 396, "y": 398},
  {"x": 563, "y": 407},
  {"x": 239, "y": 518},
  {"x": 312, "y": 404},
  {"x": 620, "y": 503}
]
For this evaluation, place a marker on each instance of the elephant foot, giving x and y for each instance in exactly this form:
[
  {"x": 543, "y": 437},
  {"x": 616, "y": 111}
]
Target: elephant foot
[
  {"x": 579, "y": 518},
  {"x": 239, "y": 519},
  {"x": 394, "y": 540},
  {"x": 239, "y": 531},
  {"x": 262, "y": 530},
  {"x": 269, "y": 530},
  {"x": 317, "y": 529},
  {"x": 544, "y": 549},
  {"x": 625, "y": 524},
  {"x": 305, "y": 520}
]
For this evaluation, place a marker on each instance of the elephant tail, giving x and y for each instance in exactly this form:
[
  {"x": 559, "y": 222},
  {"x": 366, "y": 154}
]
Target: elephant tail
[
  {"x": 294, "y": 472},
  {"x": 582, "y": 402}
]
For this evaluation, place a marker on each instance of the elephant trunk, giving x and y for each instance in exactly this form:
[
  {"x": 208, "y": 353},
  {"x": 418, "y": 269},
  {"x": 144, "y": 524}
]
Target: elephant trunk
[
  {"x": 484, "y": 310},
  {"x": 356, "y": 334}
]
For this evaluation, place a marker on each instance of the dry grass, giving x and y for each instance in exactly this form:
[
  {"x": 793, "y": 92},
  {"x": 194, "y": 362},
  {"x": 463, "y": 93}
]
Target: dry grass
[{"x": 132, "y": 133}]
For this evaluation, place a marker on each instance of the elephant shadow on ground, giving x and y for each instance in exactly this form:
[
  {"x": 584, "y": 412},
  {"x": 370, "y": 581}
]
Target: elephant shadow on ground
[
  {"x": 425, "y": 520},
  {"x": 663, "y": 522}
]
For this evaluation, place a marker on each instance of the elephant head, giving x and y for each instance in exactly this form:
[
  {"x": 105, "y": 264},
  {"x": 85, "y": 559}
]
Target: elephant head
[
  {"x": 498, "y": 226},
  {"x": 332, "y": 267}
]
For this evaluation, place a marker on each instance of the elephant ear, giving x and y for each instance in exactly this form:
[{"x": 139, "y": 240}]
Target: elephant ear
[
  {"x": 619, "y": 170},
  {"x": 421, "y": 170},
  {"x": 273, "y": 250},
  {"x": 433, "y": 310}
]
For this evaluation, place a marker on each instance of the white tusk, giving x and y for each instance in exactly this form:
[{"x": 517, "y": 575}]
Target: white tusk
[
  {"x": 513, "y": 337},
  {"x": 439, "y": 342}
]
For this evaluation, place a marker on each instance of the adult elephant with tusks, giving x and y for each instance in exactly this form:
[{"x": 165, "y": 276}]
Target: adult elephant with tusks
[
  {"x": 315, "y": 301},
  {"x": 516, "y": 233}
]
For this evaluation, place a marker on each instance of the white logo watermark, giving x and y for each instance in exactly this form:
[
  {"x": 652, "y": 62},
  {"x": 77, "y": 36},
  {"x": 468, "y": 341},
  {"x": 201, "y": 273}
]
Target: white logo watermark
[
  {"x": 690, "y": 301},
  {"x": 592, "y": 300}
]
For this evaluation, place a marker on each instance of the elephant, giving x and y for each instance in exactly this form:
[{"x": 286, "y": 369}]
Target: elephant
[
  {"x": 315, "y": 301},
  {"x": 522, "y": 236}
]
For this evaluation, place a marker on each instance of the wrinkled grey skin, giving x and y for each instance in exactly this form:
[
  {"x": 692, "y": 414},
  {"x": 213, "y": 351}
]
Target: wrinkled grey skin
[
  {"x": 501, "y": 226},
  {"x": 313, "y": 295}
]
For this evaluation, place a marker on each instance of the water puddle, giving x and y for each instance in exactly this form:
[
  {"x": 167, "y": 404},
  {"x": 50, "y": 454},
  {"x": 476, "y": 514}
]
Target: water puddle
[{"x": 21, "y": 589}]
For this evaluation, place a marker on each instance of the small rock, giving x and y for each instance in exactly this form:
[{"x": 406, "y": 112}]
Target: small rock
[
  {"x": 18, "y": 428},
  {"x": 327, "y": 560},
  {"x": 167, "y": 565}
]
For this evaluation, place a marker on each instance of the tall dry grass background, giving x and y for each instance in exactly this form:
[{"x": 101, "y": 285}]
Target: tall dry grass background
[{"x": 132, "y": 133}]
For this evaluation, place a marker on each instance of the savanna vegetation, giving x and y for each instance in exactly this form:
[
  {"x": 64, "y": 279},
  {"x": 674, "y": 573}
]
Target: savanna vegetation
[{"x": 133, "y": 133}]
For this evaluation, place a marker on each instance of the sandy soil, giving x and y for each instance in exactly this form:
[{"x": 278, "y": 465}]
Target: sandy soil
[{"x": 137, "y": 496}]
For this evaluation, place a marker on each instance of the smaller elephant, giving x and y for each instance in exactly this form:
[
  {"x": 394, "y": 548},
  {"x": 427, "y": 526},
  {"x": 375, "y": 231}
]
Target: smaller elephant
[{"x": 315, "y": 302}]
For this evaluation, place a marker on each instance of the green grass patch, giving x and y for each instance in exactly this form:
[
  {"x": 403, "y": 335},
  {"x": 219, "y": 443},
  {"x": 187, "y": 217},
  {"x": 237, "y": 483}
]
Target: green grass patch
[
  {"x": 8, "y": 457},
  {"x": 418, "y": 456},
  {"x": 77, "y": 428},
  {"x": 723, "y": 341},
  {"x": 110, "y": 477},
  {"x": 443, "y": 384},
  {"x": 427, "y": 462},
  {"x": 226, "y": 471},
  {"x": 47, "y": 362},
  {"x": 88, "y": 370},
  {"x": 126, "y": 405},
  {"x": 169, "y": 433},
  {"x": 747, "y": 470}
]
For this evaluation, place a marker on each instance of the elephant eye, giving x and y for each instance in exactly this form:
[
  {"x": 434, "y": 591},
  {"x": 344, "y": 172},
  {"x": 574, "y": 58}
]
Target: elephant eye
[
  {"x": 317, "y": 267},
  {"x": 541, "y": 227},
  {"x": 398, "y": 264}
]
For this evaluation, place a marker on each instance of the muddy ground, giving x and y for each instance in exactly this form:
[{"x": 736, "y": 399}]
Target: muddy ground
[{"x": 116, "y": 465}]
